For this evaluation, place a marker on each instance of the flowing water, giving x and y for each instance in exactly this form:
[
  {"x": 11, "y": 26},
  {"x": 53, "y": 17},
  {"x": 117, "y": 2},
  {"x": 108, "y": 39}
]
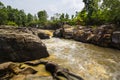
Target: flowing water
[{"x": 88, "y": 61}]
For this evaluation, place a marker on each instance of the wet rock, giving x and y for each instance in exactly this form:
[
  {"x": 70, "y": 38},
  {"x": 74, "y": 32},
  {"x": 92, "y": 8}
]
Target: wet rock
[
  {"x": 10, "y": 69},
  {"x": 116, "y": 39},
  {"x": 58, "y": 33},
  {"x": 5, "y": 73},
  {"x": 82, "y": 35},
  {"x": 33, "y": 77},
  {"x": 28, "y": 71},
  {"x": 18, "y": 77},
  {"x": 42, "y": 35},
  {"x": 17, "y": 45},
  {"x": 55, "y": 70},
  {"x": 102, "y": 35},
  {"x": 67, "y": 31}
]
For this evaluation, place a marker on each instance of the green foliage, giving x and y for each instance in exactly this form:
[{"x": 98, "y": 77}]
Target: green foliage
[
  {"x": 11, "y": 23},
  {"x": 101, "y": 12},
  {"x": 62, "y": 17},
  {"x": 32, "y": 24},
  {"x": 112, "y": 9},
  {"x": 66, "y": 16},
  {"x": 95, "y": 12},
  {"x": 3, "y": 16},
  {"x": 42, "y": 15},
  {"x": 29, "y": 17}
]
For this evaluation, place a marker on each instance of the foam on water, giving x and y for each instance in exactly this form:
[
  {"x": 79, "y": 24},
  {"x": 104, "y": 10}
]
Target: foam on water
[{"x": 89, "y": 61}]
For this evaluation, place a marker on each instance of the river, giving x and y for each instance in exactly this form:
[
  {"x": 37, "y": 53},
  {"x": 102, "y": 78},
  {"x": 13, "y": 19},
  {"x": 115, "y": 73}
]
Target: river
[{"x": 86, "y": 60}]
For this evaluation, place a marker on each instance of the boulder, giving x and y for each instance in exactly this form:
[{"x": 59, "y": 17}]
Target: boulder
[
  {"x": 43, "y": 35},
  {"x": 84, "y": 35},
  {"x": 68, "y": 33},
  {"x": 16, "y": 45},
  {"x": 9, "y": 70},
  {"x": 58, "y": 33},
  {"x": 116, "y": 39}
]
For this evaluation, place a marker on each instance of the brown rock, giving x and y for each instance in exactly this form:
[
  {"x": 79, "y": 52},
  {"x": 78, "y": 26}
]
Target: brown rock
[
  {"x": 116, "y": 39},
  {"x": 20, "y": 46}
]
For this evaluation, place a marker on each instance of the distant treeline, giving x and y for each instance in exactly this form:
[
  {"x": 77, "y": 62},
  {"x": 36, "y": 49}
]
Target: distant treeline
[{"x": 95, "y": 12}]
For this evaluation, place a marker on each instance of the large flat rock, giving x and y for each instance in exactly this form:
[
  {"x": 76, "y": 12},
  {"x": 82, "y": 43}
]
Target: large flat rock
[{"x": 17, "y": 45}]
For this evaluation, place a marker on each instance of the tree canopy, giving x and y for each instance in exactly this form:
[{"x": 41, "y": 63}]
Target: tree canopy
[
  {"x": 95, "y": 12},
  {"x": 101, "y": 11}
]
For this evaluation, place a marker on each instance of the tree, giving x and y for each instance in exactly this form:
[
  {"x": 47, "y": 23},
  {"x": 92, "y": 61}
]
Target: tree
[
  {"x": 29, "y": 18},
  {"x": 35, "y": 18},
  {"x": 66, "y": 16},
  {"x": 91, "y": 6},
  {"x": 3, "y": 16},
  {"x": 42, "y": 15},
  {"x": 72, "y": 16},
  {"x": 102, "y": 11},
  {"x": 22, "y": 18},
  {"x": 62, "y": 17},
  {"x": 1, "y": 5},
  {"x": 112, "y": 10}
]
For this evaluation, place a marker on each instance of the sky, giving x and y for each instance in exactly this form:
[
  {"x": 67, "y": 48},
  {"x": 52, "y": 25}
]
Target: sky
[{"x": 51, "y": 6}]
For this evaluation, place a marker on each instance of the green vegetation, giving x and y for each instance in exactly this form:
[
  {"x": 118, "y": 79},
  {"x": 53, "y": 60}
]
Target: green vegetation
[
  {"x": 101, "y": 12},
  {"x": 12, "y": 23},
  {"x": 95, "y": 12}
]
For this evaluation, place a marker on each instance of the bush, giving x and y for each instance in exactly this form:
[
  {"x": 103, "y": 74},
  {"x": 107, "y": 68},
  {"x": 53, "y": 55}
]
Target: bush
[{"x": 10, "y": 23}]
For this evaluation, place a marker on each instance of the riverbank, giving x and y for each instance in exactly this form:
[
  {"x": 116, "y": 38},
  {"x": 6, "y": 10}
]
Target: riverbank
[{"x": 104, "y": 35}]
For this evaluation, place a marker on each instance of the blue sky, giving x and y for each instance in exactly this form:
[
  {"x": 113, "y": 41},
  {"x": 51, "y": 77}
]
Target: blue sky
[{"x": 51, "y": 6}]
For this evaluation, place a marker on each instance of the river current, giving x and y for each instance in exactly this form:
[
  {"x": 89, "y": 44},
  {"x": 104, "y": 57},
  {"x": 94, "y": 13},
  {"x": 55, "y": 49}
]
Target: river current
[{"x": 86, "y": 60}]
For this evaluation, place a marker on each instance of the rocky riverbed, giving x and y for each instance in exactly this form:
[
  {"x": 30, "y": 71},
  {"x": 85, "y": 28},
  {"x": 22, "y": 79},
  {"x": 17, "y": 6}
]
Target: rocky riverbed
[
  {"x": 30, "y": 53},
  {"x": 21, "y": 51}
]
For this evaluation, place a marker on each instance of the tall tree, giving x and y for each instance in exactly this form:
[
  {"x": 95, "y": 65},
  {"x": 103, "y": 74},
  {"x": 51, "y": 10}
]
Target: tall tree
[
  {"x": 29, "y": 18},
  {"x": 67, "y": 16},
  {"x": 62, "y": 17},
  {"x": 112, "y": 9},
  {"x": 3, "y": 14},
  {"x": 23, "y": 18},
  {"x": 91, "y": 6},
  {"x": 42, "y": 15},
  {"x": 35, "y": 18}
]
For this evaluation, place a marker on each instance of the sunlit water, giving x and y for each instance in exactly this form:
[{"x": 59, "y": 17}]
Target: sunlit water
[{"x": 89, "y": 61}]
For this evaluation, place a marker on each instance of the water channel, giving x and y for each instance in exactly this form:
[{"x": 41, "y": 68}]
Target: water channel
[{"x": 86, "y": 60}]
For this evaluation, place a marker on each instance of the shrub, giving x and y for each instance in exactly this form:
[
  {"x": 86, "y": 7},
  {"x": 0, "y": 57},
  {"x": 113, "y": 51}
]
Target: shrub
[{"x": 10, "y": 23}]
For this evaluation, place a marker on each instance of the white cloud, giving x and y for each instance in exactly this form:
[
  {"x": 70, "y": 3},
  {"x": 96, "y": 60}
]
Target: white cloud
[
  {"x": 66, "y": 6},
  {"x": 51, "y": 6}
]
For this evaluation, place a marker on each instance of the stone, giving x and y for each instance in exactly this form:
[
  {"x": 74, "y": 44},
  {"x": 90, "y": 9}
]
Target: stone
[
  {"x": 42, "y": 35},
  {"x": 58, "y": 33},
  {"x": 19, "y": 46},
  {"x": 116, "y": 39}
]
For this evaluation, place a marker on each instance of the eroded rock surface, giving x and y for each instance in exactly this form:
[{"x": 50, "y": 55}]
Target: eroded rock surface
[
  {"x": 104, "y": 35},
  {"x": 20, "y": 45}
]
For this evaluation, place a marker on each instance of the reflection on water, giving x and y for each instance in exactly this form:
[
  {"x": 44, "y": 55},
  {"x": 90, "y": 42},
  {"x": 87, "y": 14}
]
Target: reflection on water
[{"x": 89, "y": 61}]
